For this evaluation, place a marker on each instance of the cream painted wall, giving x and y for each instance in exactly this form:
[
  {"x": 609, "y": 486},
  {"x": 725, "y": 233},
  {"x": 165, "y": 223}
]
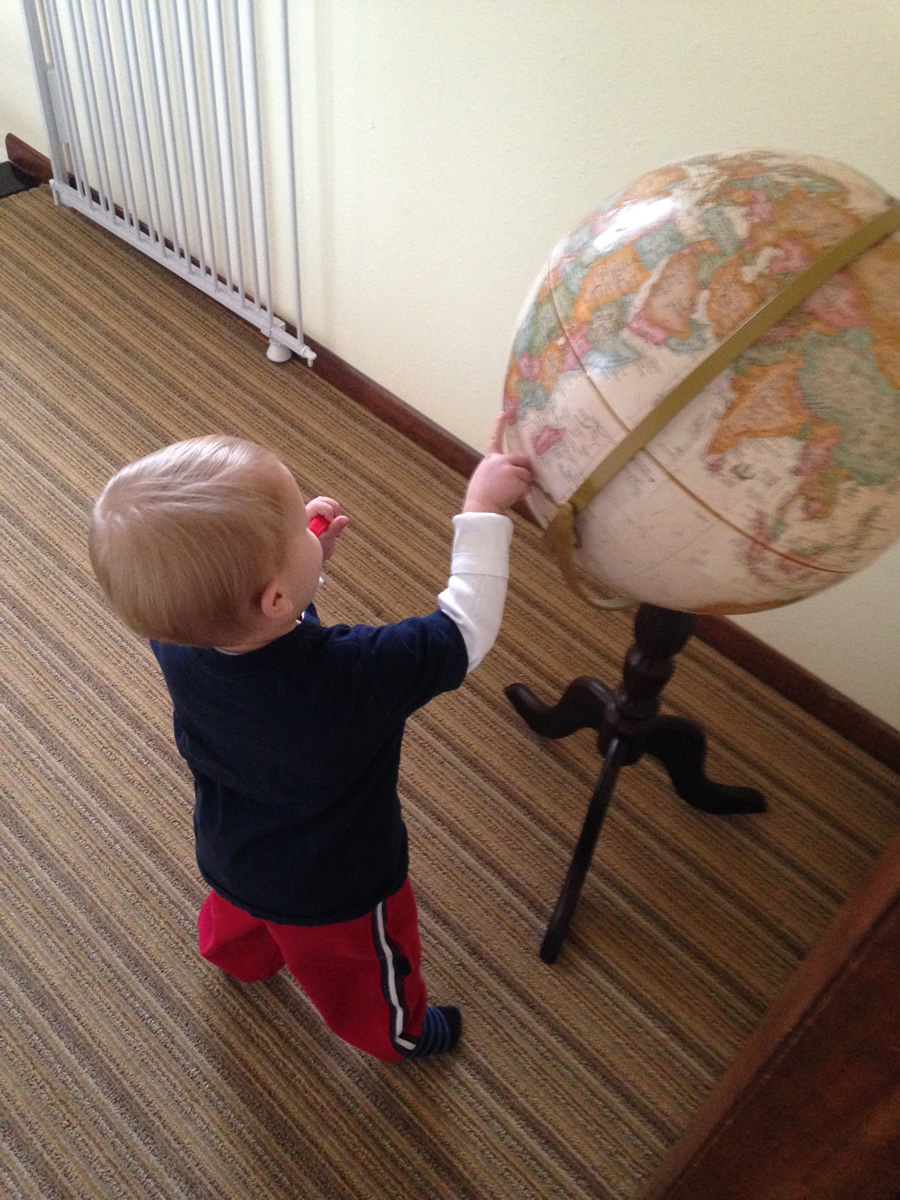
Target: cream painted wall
[
  {"x": 20, "y": 111},
  {"x": 447, "y": 147}
]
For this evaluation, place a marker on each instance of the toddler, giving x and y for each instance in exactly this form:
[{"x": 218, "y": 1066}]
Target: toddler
[{"x": 293, "y": 730}]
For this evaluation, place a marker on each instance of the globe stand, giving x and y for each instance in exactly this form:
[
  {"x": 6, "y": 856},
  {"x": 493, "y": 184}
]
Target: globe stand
[{"x": 628, "y": 727}]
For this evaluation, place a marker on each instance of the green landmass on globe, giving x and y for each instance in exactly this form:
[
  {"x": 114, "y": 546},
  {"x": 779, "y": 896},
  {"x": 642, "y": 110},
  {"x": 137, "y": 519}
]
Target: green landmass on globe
[{"x": 782, "y": 476}]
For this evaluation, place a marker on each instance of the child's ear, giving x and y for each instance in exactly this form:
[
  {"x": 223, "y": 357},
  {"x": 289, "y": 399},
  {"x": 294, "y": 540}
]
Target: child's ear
[{"x": 273, "y": 602}]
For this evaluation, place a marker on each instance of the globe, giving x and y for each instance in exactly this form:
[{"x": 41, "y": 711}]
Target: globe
[{"x": 780, "y": 474}]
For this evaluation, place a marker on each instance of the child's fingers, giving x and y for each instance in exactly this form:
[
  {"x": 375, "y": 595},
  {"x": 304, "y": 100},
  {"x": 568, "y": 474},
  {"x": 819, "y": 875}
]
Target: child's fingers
[
  {"x": 323, "y": 506},
  {"x": 495, "y": 445},
  {"x": 518, "y": 468}
]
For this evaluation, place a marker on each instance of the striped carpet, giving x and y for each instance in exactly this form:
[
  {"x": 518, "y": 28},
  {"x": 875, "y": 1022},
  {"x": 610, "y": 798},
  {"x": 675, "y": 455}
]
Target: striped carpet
[{"x": 133, "y": 1069}]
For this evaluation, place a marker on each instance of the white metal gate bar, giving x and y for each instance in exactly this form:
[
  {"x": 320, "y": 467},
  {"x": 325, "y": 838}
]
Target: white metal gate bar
[{"x": 154, "y": 117}]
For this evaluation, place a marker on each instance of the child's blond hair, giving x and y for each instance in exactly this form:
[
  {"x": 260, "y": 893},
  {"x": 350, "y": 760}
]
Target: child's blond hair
[{"x": 184, "y": 541}]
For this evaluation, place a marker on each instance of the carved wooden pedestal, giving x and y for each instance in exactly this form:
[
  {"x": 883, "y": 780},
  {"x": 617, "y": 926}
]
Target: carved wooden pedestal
[{"x": 628, "y": 727}]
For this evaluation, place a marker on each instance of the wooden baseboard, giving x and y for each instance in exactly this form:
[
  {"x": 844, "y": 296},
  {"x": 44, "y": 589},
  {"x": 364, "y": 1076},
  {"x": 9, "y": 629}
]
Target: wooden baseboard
[
  {"x": 27, "y": 159},
  {"x": 804, "y": 689},
  {"x": 393, "y": 411},
  {"x": 784, "y": 676}
]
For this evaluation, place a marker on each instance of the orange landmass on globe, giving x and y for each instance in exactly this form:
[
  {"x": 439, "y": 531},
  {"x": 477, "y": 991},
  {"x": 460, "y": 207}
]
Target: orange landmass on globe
[
  {"x": 612, "y": 277},
  {"x": 821, "y": 491},
  {"x": 672, "y": 297},
  {"x": 653, "y": 184},
  {"x": 511, "y": 388},
  {"x": 835, "y": 305},
  {"x": 816, "y": 221},
  {"x": 876, "y": 273},
  {"x": 767, "y": 403},
  {"x": 732, "y": 299},
  {"x": 552, "y": 364},
  {"x": 822, "y": 480}
]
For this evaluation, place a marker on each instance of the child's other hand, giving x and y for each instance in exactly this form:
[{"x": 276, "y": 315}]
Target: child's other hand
[
  {"x": 500, "y": 480},
  {"x": 324, "y": 506}
]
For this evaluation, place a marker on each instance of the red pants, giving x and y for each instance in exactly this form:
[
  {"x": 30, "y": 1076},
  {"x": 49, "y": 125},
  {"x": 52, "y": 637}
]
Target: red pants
[{"x": 363, "y": 976}]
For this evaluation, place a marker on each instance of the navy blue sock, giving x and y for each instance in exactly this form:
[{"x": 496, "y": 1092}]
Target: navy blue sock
[{"x": 440, "y": 1031}]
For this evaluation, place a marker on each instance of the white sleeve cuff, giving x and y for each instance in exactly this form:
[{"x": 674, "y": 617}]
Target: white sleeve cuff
[
  {"x": 481, "y": 544},
  {"x": 476, "y": 591}
]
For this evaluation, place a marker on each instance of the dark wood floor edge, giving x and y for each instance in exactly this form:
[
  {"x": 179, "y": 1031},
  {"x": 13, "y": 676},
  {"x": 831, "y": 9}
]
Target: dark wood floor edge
[
  {"x": 27, "y": 159},
  {"x": 758, "y": 659},
  {"x": 774, "y": 1067}
]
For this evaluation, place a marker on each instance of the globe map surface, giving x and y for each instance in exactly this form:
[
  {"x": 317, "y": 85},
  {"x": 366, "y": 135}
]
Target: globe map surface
[{"x": 783, "y": 475}]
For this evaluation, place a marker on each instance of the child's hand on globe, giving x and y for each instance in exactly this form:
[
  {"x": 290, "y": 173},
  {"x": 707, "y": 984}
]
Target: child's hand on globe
[{"x": 500, "y": 480}]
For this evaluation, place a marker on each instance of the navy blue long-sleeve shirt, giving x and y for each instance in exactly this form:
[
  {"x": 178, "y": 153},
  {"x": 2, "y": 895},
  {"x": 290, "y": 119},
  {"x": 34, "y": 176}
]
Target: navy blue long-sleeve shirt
[{"x": 295, "y": 752}]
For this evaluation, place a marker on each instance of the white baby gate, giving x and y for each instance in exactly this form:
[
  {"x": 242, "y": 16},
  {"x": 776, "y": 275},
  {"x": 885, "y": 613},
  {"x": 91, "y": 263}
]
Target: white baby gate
[{"x": 164, "y": 130}]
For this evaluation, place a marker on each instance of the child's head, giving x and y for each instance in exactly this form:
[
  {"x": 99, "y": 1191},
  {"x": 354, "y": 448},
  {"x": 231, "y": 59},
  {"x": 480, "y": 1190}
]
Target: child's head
[{"x": 194, "y": 543}]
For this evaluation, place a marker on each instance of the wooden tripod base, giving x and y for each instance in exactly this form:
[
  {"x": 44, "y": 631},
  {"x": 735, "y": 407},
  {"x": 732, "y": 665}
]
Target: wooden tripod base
[{"x": 628, "y": 727}]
